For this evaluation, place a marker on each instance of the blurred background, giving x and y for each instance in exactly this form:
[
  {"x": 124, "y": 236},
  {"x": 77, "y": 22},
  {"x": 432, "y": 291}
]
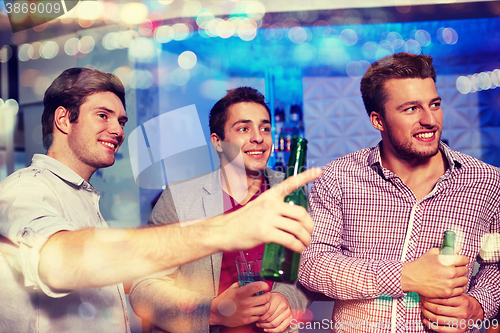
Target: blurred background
[{"x": 307, "y": 57}]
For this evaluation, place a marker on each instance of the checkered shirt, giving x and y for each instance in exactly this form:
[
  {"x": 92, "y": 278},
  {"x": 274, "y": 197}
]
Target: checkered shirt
[{"x": 368, "y": 223}]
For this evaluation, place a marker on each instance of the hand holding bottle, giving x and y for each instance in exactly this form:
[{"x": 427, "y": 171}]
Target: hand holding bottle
[{"x": 429, "y": 277}]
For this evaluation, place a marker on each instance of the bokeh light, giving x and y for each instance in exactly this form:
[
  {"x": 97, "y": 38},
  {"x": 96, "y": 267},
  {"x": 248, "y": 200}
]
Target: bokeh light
[
  {"x": 252, "y": 9},
  {"x": 25, "y": 52},
  {"x": 237, "y": 22},
  {"x": 187, "y": 60},
  {"x": 119, "y": 40},
  {"x": 146, "y": 28},
  {"x": 356, "y": 69},
  {"x": 5, "y": 53},
  {"x": 273, "y": 33},
  {"x": 203, "y": 16},
  {"x": 37, "y": 50},
  {"x": 71, "y": 46},
  {"x": 124, "y": 73},
  {"x": 126, "y": 38},
  {"x": 297, "y": 35},
  {"x": 111, "y": 12},
  {"x": 463, "y": 85},
  {"x": 133, "y": 13},
  {"x": 348, "y": 37},
  {"x": 86, "y": 44},
  {"x": 225, "y": 29},
  {"x": 423, "y": 37},
  {"x": 384, "y": 49},
  {"x": 473, "y": 82},
  {"x": 412, "y": 46},
  {"x": 181, "y": 31},
  {"x": 484, "y": 81},
  {"x": 395, "y": 39},
  {"x": 142, "y": 49},
  {"x": 478, "y": 82},
  {"x": 191, "y": 8},
  {"x": 247, "y": 30},
  {"x": 369, "y": 50},
  {"x": 164, "y": 34},
  {"x": 321, "y": 28},
  {"x": 495, "y": 78},
  {"x": 447, "y": 36},
  {"x": 211, "y": 27},
  {"x": 49, "y": 49},
  {"x": 10, "y": 105},
  {"x": 90, "y": 10},
  {"x": 85, "y": 23}
]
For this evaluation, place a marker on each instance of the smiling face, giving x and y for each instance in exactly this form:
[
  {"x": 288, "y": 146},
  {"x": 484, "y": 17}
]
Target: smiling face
[
  {"x": 411, "y": 124},
  {"x": 95, "y": 137},
  {"x": 248, "y": 127}
]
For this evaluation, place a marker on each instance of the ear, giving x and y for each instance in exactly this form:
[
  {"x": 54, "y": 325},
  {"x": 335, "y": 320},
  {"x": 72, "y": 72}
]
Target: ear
[
  {"x": 377, "y": 121},
  {"x": 61, "y": 119},
  {"x": 216, "y": 142}
]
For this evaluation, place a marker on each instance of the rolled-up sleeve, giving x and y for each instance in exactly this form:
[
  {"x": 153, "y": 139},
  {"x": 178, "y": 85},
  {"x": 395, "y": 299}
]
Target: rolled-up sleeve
[{"x": 30, "y": 215}]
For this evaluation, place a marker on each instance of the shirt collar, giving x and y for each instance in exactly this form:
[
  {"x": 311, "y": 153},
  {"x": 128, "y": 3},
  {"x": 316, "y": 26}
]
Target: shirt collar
[
  {"x": 57, "y": 168},
  {"x": 375, "y": 160}
]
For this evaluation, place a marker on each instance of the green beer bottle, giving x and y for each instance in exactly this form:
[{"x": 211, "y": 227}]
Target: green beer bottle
[
  {"x": 448, "y": 247},
  {"x": 279, "y": 263}
]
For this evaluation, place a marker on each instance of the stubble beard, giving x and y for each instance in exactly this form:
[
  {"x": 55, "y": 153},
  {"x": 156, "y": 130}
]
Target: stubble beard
[{"x": 409, "y": 153}]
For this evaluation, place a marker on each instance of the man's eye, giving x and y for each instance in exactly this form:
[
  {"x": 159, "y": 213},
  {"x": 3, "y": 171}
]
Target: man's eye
[
  {"x": 102, "y": 115},
  {"x": 436, "y": 105},
  {"x": 265, "y": 129},
  {"x": 412, "y": 108},
  {"x": 122, "y": 123},
  {"x": 242, "y": 129}
]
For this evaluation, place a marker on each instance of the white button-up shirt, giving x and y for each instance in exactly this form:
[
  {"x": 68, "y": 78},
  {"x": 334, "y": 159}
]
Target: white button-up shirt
[{"x": 35, "y": 203}]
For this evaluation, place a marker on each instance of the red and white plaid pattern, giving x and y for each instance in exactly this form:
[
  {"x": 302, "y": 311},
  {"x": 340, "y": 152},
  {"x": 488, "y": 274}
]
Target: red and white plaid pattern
[{"x": 368, "y": 222}]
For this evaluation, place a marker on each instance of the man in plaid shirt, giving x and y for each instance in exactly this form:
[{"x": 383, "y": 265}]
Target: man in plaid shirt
[{"x": 380, "y": 214}]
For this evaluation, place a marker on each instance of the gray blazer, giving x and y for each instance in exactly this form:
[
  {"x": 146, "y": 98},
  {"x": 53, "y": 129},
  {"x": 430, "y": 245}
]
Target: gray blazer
[{"x": 179, "y": 299}]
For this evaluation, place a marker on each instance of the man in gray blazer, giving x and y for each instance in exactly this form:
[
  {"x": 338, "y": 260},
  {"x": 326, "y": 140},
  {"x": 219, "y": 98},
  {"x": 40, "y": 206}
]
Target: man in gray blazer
[{"x": 187, "y": 298}]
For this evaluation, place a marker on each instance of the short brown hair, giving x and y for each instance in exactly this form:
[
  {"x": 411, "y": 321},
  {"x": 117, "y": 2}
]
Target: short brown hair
[
  {"x": 70, "y": 89},
  {"x": 398, "y": 66}
]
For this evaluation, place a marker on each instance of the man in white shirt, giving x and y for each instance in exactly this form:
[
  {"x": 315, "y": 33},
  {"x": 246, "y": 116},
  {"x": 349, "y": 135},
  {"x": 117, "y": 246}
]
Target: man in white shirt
[{"x": 60, "y": 266}]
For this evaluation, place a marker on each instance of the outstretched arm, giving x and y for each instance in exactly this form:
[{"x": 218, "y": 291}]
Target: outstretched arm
[{"x": 92, "y": 258}]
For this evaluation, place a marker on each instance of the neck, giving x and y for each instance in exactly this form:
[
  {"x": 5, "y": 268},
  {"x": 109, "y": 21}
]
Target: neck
[
  {"x": 70, "y": 161},
  {"x": 419, "y": 174},
  {"x": 239, "y": 184}
]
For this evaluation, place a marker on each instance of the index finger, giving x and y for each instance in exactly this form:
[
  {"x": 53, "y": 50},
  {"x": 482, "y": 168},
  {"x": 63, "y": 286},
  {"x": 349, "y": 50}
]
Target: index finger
[{"x": 294, "y": 182}]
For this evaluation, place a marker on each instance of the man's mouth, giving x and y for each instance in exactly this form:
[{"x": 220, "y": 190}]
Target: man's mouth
[
  {"x": 259, "y": 152},
  {"x": 426, "y": 135},
  {"x": 108, "y": 144}
]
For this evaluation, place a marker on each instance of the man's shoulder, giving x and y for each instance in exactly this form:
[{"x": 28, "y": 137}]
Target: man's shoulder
[
  {"x": 351, "y": 161},
  {"x": 195, "y": 181},
  {"x": 28, "y": 176},
  {"x": 473, "y": 166},
  {"x": 273, "y": 177}
]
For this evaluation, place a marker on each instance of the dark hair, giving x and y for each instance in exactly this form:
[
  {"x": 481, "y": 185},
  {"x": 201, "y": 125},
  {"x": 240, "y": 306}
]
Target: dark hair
[
  {"x": 70, "y": 90},
  {"x": 218, "y": 115},
  {"x": 398, "y": 66}
]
